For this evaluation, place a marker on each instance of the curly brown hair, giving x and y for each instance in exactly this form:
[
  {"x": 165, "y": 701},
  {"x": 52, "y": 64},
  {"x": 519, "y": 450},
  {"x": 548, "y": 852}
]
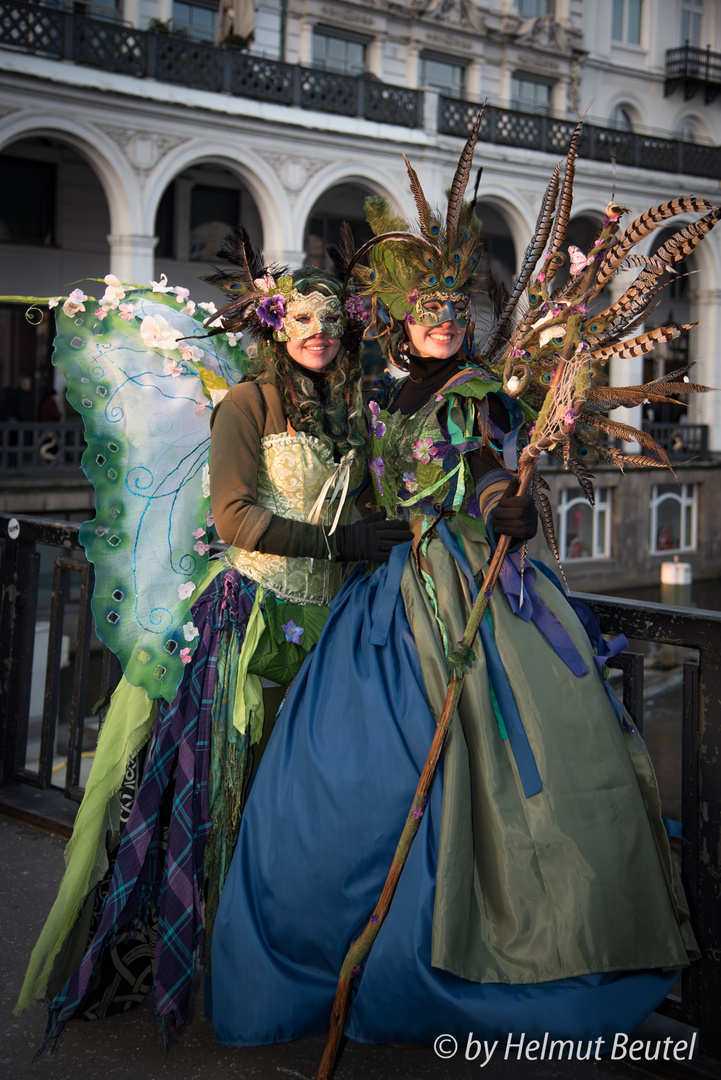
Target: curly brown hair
[{"x": 330, "y": 405}]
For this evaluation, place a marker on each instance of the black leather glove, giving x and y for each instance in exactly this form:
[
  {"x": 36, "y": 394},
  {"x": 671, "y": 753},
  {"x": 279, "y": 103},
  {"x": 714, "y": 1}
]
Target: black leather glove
[
  {"x": 514, "y": 515},
  {"x": 371, "y": 539}
]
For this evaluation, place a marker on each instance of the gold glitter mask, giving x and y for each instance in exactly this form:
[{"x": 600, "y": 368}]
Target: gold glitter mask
[
  {"x": 434, "y": 308},
  {"x": 308, "y": 314}
]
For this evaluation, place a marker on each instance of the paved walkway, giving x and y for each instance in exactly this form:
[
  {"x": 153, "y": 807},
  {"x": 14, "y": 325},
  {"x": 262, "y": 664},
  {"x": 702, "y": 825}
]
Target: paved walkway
[{"x": 129, "y": 1047}]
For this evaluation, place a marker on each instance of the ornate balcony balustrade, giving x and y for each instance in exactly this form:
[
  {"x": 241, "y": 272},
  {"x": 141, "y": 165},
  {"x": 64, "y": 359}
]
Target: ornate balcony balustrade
[
  {"x": 62, "y": 35},
  {"x": 508, "y": 127},
  {"x": 693, "y": 69},
  {"x": 682, "y": 442},
  {"x": 38, "y": 449}
]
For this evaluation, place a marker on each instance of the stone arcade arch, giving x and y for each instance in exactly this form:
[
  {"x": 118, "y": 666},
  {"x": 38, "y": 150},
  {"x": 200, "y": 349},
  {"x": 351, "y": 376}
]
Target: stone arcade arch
[
  {"x": 61, "y": 204},
  {"x": 270, "y": 219},
  {"x": 692, "y": 296},
  {"x": 200, "y": 206},
  {"x": 334, "y": 195},
  {"x": 342, "y": 202},
  {"x": 505, "y": 236},
  {"x": 89, "y": 204}
]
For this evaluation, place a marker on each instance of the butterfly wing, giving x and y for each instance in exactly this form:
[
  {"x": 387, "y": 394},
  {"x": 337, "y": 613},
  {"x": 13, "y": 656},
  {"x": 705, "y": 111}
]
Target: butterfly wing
[{"x": 140, "y": 392}]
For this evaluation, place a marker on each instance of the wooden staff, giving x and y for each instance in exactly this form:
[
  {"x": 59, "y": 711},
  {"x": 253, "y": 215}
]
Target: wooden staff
[{"x": 361, "y": 946}]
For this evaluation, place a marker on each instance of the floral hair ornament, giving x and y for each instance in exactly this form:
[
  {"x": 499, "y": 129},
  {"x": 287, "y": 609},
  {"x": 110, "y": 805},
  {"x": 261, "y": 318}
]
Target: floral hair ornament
[{"x": 276, "y": 305}]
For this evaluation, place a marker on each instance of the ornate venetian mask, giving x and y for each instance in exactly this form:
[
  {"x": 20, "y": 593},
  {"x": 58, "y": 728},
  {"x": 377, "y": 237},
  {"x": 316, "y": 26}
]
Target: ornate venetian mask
[
  {"x": 434, "y": 308},
  {"x": 312, "y": 313}
]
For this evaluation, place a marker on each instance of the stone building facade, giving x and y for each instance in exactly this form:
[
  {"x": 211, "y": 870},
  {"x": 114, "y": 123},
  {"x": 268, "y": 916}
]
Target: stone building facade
[{"x": 125, "y": 147}]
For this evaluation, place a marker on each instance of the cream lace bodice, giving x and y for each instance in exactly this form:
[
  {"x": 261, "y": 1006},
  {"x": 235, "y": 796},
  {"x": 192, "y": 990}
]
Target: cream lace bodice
[{"x": 293, "y": 471}]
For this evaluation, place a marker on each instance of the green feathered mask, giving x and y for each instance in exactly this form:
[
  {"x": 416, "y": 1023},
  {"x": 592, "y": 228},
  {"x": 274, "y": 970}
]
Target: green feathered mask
[{"x": 408, "y": 265}]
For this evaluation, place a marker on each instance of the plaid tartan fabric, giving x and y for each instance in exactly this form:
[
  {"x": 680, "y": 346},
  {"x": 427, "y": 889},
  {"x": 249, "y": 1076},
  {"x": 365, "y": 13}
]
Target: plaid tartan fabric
[{"x": 176, "y": 769}]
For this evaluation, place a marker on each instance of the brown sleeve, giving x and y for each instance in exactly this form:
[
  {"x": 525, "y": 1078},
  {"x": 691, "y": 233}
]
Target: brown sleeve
[
  {"x": 236, "y": 428},
  {"x": 247, "y": 413}
]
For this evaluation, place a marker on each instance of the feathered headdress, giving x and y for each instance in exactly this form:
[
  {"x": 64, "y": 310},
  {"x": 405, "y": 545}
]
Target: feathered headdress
[
  {"x": 261, "y": 293},
  {"x": 406, "y": 263},
  {"x": 554, "y": 348},
  {"x": 547, "y": 343}
]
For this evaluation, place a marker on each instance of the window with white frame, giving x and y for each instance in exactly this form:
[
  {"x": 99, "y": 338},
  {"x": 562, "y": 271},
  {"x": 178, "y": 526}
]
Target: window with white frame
[
  {"x": 530, "y": 94},
  {"x": 584, "y": 530},
  {"x": 110, "y": 10},
  {"x": 198, "y": 19},
  {"x": 535, "y": 9},
  {"x": 626, "y": 21},
  {"x": 443, "y": 74},
  {"x": 674, "y": 518},
  {"x": 691, "y": 14},
  {"x": 334, "y": 51}
]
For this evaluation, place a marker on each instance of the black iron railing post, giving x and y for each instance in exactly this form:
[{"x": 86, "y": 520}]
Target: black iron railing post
[
  {"x": 61, "y": 585},
  {"x": 68, "y": 42},
  {"x": 80, "y": 684},
  {"x": 8, "y": 674},
  {"x": 689, "y": 800},
  {"x": 360, "y": 99},
  {"x": 25, "y": 590},
  {"x": 707, "y": 815}
]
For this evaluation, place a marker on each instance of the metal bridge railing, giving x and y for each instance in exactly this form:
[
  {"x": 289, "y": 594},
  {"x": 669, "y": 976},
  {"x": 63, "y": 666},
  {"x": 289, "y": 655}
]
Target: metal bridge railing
[{"x": 29, "y": 587}]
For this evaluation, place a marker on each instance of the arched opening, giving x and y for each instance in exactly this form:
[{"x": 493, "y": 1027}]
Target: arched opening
[
  {"x": 196, "y": 212},
  {"x": 498, "y": 262},
  {"x": 580, "y": 233},
  {"x": 54, "y": 224},
  {"x": 344, "y": 202},
  {"x": 621, "y": 118}
]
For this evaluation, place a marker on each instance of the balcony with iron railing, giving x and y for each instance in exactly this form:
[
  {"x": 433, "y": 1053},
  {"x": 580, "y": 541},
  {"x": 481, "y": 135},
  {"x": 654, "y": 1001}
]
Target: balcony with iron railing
[
  {"x": 57, "y": 34},
  {"x": 62, "y": 35},
  {"x": 693, "y": 69},
  {"x": 536, "y": 131}
]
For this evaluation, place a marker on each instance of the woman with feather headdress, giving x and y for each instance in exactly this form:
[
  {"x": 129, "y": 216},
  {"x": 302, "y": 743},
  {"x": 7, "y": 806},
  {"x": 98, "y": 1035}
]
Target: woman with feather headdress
[
  {"x": 287, "y": 458},
  {"x": 539, "y": 897}
]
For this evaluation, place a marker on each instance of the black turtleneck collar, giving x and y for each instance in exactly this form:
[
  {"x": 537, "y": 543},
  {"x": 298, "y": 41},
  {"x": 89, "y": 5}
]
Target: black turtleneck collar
[{"x": 426, "y": 377}]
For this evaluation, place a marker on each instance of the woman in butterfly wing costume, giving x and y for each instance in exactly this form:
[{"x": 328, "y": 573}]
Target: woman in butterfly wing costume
[
  {"x": 286, "y": 454},
  {"x": 539, "y": 895}
]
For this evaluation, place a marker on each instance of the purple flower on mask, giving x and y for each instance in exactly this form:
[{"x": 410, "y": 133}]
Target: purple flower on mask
[
  {"x": 354, "y": 309},
  {"x": 292, "y": 632},
  {"x": 378, "y": 469},
  {"x": 378, "y": 428},
  {"x": 411, "y": 481},
  {"x": 271, "y": 311}
]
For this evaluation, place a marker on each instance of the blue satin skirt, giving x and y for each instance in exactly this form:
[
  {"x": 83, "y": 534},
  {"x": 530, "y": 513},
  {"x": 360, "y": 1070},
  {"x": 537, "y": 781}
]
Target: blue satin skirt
[{"x": 316, "y": 841}]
